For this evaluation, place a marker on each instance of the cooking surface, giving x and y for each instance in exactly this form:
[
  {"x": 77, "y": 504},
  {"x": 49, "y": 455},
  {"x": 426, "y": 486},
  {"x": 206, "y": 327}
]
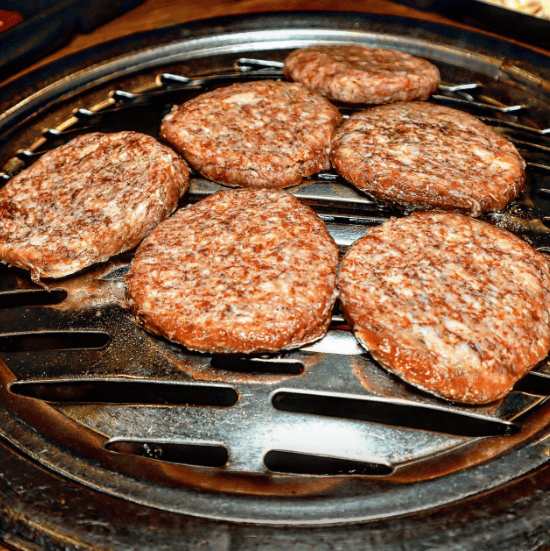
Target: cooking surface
[{"x": 258, "y": 421}]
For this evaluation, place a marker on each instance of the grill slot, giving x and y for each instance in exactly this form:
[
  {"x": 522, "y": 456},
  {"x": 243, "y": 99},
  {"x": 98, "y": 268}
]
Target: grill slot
[
  {"x": 31, "y": 297},
  {"x": 116, "y": 391},
  {"x": 297, "y": 463},
  {"x": 52, "y": 340},
  {"x": 201, "y": 455},
  {"x": 392, "y": 413},
  {"x": 258, "y": 364}
]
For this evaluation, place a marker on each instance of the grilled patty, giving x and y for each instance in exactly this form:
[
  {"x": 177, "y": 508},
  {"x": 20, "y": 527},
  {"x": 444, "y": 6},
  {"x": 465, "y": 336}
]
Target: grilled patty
[
  {"x": 452, "y": 305},
  {"x": 242, "y": 271},
  {"x": 92, "y": 198},
  {"x": 254, "y": 134},
  {"x": 358, "y": 74},
  {"x": 421, "y": 156}
]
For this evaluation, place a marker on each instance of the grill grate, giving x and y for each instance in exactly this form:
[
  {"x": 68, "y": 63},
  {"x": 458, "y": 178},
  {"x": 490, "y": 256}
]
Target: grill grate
[{"x": 326, "y": 409}]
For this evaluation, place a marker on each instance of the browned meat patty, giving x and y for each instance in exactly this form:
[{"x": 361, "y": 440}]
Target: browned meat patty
[
  {"x": 358, "y": 74},
  {"x": 452, "y": 305},
  {"x": 420, "y": 155},
  {"x": 94, "y": 197},
  {"x": 255, "y": 134},
  {"x": 242, "y": 271}
]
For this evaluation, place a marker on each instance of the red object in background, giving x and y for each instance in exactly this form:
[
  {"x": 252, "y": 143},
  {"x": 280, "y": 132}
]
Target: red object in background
[{"x": 8, "y": 19}]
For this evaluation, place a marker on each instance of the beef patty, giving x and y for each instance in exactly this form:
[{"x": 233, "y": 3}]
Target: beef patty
[
  {"x": 452, "y": 305},
  {"x": 242, "y": 271},
  {"x": 359, "y": 74},
  {"x": 421, "y": 155},
  {"x": 254, "y": 134},
  {"x": 92, "y": 198}
]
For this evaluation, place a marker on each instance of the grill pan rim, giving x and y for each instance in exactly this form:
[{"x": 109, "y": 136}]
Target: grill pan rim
[{"x": 542, "y": 442}]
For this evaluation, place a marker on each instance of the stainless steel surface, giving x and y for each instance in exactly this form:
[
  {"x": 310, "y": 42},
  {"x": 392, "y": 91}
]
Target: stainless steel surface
[{"x": 317, "y": 436}]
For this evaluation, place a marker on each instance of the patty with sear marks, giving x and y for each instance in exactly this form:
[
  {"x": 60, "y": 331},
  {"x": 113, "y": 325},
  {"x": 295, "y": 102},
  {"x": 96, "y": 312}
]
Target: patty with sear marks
[
  {"x": 92, "y": 198},
  {"x": 359, "y": 74},
  {"x": 255, "y": 134},
  {"x": 421, "y": 156},
  {"x": 452, "y": 305},
  {"x": 242, "y": 271}
]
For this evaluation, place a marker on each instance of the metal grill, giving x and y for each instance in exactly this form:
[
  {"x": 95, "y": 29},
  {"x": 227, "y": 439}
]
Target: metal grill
[{"x": 324, "y": 412}]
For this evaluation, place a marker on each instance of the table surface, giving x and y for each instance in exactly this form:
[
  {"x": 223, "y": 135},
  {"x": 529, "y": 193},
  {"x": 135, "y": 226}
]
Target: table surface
[{"x": 153, "y": 14}]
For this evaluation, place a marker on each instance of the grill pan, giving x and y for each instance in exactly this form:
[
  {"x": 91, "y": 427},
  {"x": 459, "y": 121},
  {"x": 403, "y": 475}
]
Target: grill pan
[{"x": 120, "y": 428}]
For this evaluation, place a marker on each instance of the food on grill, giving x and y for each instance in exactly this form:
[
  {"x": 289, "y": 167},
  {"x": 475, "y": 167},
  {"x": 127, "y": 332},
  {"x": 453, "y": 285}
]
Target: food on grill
[
  {"x": 242, "y": 271},
  {"x": 359, "y": 74},
  {"x": 453, "y": 305},
  {"x": 255, "y": 134},
  {"x": 92, "y": 198},
  {"x": 421, "y": 155}
]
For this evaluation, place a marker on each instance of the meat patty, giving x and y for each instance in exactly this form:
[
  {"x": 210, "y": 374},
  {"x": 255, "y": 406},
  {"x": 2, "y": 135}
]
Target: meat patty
[
  {"x": 94, "y": 197},
  {"x": 359, "y": 74},
  {"x": 254, "y": 134},
  {"x": 452, "y": 305},
  {"x": 421, "y": 155},
  {"x": 242, "y": 271}
]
